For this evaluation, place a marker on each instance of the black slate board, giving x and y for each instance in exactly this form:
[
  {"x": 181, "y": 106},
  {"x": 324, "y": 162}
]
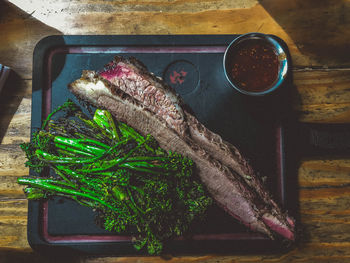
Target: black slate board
[{"x": 193, "y": 66}]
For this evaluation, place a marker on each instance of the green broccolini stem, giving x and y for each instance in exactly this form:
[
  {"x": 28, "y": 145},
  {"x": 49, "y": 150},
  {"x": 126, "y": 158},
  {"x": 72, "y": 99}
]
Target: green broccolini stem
[
  {"x": 140, "y": 169},
  {"x": 51, "y": 158},
  {"x": 85, "y": 140},
  {"x": 127, "y": 131},
  {"x": 133, "y": 202},
  {"x": 147, "y": 158},
  {"x": 104, "y": 119},
  {"x": 93, "y": 125},
  {"x": 80, "y": 145},
  {"x": 47, "y": 185},
  {"x": 83, "y": 185},
  {"x": 66, "y": 105},
  {"x": 59, "y": 183},
  {"x": 64, "y": 153},
  {"x": 113, "y": 163},
  {"x": 73, "y": 150},
  {"x": 81, "y": 179},
  {"x": 65, "y": 178},
  {"x": 133, "y": 165}
]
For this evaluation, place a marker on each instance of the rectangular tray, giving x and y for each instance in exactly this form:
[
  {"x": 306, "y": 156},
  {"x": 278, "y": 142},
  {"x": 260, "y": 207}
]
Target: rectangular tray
[{"x": 60, "y": 224}]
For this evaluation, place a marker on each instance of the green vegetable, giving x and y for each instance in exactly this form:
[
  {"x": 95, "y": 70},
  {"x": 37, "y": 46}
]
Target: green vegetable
[{"x": 133, "y": 184}]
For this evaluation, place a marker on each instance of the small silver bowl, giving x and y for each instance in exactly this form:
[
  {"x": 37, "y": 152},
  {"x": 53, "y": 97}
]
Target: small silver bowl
[{"x": 280, "y": 52}]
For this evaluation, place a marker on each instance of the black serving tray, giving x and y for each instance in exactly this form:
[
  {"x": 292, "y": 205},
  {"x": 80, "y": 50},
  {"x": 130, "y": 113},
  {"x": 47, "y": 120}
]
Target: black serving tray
[{"x": 193, "y": 66}]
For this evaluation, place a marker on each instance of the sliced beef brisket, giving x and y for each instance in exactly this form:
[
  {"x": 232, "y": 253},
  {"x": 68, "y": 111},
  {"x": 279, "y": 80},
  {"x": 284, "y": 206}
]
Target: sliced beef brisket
[{"x": 143, "y": 101}]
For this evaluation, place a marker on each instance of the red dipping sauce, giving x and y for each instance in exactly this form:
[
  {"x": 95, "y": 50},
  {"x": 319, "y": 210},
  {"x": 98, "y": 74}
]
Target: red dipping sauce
[{"x": 254, "y": 66}]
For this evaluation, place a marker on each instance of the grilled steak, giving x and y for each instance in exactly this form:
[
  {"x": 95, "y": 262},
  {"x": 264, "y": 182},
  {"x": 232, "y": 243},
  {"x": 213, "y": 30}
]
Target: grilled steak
[{"x": 143, "y": 101}]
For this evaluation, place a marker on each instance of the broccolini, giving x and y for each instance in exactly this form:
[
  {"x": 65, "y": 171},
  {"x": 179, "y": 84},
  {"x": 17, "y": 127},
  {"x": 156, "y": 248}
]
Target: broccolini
[{"x": 133, "y": 184}]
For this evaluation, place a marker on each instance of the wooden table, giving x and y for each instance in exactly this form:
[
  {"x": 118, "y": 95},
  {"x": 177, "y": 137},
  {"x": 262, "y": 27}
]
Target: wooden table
[{"x": 318, "y": 35}]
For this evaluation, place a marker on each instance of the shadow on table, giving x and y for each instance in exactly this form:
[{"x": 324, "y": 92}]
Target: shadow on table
[
  {"x": 320, "y": 28},
  {"x": 12, "y": 21},
  {"x": 321, "y": 31},
  {"x": 10, "y": 99}
]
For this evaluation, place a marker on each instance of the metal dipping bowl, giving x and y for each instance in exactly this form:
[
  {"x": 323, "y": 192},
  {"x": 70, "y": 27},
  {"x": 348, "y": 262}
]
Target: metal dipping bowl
[{"x": 278, "y": 50}]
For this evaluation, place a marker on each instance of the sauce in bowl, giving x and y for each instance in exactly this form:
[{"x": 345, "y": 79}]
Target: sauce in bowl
[{"x": 255, "y": 64}]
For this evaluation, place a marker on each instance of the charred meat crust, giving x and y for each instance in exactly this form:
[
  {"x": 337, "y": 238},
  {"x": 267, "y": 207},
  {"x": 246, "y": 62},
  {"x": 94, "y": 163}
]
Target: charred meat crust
[
  {"x": 132, "y": 76},
  {"x": 142, "y": 69}
]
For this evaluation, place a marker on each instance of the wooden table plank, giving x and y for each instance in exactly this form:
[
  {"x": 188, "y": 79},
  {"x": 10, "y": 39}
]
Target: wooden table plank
[
  {"x": 322, "y": 96},
  {"x": 12, "y": 160},
  {"x": 286, "y": 19},
  {"x": 13, "y": 223},
  {"x": 323, "y": 173}
]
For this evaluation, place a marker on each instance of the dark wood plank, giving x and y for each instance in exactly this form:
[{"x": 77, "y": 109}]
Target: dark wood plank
[{"x": 317, "y": 34}]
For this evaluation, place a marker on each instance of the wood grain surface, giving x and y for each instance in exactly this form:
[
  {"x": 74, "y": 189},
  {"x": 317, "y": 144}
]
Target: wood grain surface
[{"x": 318, "y": 36}]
